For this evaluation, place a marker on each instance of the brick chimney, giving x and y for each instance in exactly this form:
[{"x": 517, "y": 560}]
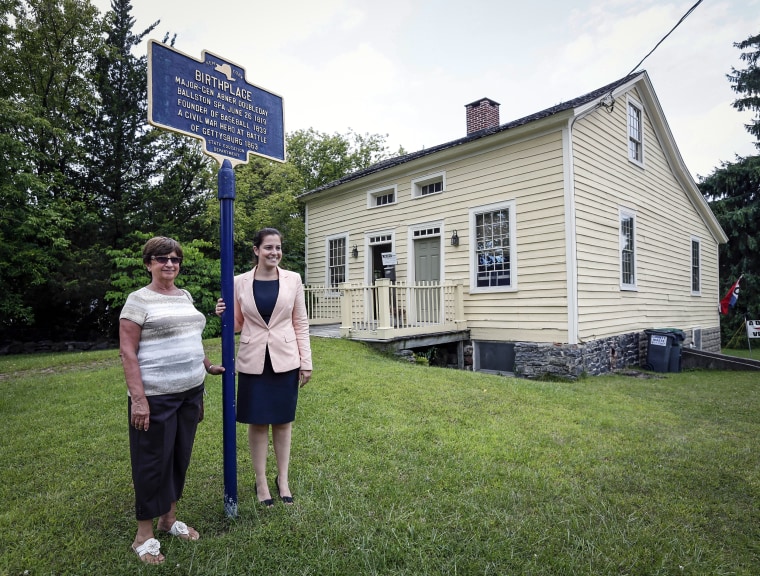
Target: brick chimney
[{"x": 482, "y": 114}]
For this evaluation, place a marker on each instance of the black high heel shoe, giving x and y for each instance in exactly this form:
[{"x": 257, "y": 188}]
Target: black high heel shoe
[
  {"x": 285, "y": 499},
  {"x": 268, "y": 503}
]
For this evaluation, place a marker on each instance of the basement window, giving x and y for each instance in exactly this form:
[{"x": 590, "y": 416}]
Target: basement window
[{"x": 495, "y": 357}]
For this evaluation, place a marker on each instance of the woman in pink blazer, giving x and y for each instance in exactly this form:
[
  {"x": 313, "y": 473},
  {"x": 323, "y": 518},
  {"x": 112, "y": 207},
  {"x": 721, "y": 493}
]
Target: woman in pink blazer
[{"x": 273, "y": 359}]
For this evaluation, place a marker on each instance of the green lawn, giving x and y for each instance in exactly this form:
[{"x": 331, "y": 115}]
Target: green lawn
[
  {"x": 399, "y": 469},
  {"x": 753, "y": 353}
]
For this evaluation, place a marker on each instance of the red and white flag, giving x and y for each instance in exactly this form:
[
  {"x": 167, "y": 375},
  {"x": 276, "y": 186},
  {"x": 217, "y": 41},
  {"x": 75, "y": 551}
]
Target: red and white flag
[{"x": 729, "y": 300}]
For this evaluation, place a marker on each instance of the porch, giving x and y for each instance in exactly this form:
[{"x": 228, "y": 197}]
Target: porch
[{"x": 397, "y": 314}]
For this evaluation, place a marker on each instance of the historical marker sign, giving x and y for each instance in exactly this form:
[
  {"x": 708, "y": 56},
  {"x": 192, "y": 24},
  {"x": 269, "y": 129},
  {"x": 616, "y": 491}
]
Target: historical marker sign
[{"x": 211, "y": 100}]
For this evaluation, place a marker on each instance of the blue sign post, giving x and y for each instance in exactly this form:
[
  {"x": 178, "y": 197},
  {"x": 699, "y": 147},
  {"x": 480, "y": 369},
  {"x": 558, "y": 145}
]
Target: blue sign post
[{"x": 210, "y": 99}]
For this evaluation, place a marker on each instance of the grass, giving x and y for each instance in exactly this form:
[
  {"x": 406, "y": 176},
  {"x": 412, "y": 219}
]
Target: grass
[
  {"x": 753, "y": 354},
  {"x": 399, "y": 469}
]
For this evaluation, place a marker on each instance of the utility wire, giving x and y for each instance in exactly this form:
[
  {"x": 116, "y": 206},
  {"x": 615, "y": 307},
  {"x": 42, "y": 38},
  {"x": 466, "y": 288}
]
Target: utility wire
[
  {"x": 690, "y": 10},
  {"x": 608, "y": 102}
]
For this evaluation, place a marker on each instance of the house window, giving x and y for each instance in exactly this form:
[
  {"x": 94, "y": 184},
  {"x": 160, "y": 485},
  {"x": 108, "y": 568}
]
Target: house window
[
  {"x": 426, "y": 231},
  {"x": 696, "y": 287},
  {"x": 635, "y": 133},
  {"x": 627, "y": 250},
  {"x": 381, "y": 239},
  {"x": 493, "y": 247},
  {"x": 336, "y": 260},
  {"x": 381, "y": 197},
  {"x": 431, "y": 188},
  {"x": 431, "y": 184}
]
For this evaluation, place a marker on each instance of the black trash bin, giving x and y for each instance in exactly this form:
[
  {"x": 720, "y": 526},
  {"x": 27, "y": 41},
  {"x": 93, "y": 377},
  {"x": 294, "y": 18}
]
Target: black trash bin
[
  {"x": 658, "y": 351},
  {"x": 676, "y": 344},
  {"x": 664, "y": 349}
]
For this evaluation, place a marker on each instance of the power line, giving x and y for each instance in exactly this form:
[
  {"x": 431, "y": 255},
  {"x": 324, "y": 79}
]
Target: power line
[
  {"x": 608, "y": 102},
  {"x": 689, "y": 11}
]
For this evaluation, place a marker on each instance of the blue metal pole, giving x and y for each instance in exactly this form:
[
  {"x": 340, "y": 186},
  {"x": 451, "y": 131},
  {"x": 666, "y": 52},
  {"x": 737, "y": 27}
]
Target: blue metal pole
[{"x": 226, "y": 182}]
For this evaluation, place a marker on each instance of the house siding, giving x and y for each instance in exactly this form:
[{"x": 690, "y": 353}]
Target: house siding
[
  {"x": 567, "y": 176},
  {"x": 605, "y": 181},
  {"x": 528, "y": 172}
]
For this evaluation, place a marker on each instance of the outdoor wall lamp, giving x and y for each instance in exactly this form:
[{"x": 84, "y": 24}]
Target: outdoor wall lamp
[
  {"x": 355, "y": 251},
  {"x": 455, "y": 239}
]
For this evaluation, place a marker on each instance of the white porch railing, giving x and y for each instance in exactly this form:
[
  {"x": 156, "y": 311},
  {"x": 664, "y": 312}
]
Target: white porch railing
[
  {"x": 323, "y": 304},
  {"x": 384, "y": 310}
]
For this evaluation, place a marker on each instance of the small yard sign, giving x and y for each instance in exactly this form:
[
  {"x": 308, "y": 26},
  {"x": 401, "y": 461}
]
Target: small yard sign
[
  {"x": 753, "y": 328},
  {"x": 389, "y": 258},
  {"x": 211, "y": 100}
]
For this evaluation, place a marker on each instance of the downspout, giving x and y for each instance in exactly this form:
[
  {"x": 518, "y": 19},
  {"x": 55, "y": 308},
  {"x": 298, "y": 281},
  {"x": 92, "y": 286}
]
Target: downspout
[
  {"x": 571, "y": 244},
  {"x": 571, "y": 250},
  {"x": 305, "y": 244}
]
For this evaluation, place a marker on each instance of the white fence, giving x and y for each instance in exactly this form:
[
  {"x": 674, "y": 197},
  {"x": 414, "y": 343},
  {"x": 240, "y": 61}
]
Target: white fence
[{"x": 386, "y": 310}]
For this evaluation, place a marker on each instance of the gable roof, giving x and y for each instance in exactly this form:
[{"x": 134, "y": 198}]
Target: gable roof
[
  {"x": 391, "y": 162},
  {"x": 579, "y": 106}
]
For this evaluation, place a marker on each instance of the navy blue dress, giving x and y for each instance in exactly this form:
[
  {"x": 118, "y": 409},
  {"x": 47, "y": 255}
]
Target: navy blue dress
[{"x": 269, "y": 397}]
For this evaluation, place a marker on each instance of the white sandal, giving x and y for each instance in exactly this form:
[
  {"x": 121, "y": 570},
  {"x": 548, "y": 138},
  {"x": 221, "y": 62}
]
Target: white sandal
[
  {"x": 181, "y": 530},
  {"x": 150, "y": 546}
]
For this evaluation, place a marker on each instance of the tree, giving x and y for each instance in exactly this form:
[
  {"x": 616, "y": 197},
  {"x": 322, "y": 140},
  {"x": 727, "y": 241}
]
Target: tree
[
  {"x": 199, "y": 275},
  {"x": 48, "y": 49},
  {"x": 733, "y": 192},
  {"x": 321, "y": 158},
  {"x": 82, "y": 174},
  {"x": 266, "y": 197},
  {"x": 267, "y": 192},
  {"x": 747, "y": 83},
  {"x": 120, "y": 144},
  {"x": 175, "y": 204}
]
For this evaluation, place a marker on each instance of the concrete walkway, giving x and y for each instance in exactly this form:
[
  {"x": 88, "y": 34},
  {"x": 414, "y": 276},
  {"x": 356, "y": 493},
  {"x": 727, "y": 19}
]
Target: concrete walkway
[{"x": 325, "y": 330}]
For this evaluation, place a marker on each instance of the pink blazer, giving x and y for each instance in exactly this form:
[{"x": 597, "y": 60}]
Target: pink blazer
[{"x": 286, "y": 335}]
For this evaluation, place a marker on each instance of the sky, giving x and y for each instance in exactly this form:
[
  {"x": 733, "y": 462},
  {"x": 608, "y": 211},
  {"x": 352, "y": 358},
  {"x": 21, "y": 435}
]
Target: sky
[{"x": 405, "y": 69}]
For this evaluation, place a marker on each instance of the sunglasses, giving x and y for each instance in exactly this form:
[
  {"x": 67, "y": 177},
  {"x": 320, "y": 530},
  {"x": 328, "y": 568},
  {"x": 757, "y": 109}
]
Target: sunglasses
[{"x": 165, "y": 259}]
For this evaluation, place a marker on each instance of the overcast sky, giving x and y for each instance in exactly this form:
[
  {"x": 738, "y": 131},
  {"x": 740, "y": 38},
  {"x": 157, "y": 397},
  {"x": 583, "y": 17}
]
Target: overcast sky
[{"x": 406, "y": 68}]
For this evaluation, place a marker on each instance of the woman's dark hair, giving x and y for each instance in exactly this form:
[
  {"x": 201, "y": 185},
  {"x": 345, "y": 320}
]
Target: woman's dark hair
[
  {"x": 160, "y": 246},
  {"x": 261, "y": 234}
]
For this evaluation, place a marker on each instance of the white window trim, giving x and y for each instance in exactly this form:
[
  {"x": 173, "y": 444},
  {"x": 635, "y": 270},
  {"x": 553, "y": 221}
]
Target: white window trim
[
  {"x": 368, "y": 244},
  {"x": 377, "y": 192},
  {"x": 627, "y": 213},
  {"x": 343, "y": 235},
  {"x": 631, "y": 101},
  {"x": 510, "y": 205},
  {"x": 418, "y": 183},
  {"x": 696, "y": 239}
]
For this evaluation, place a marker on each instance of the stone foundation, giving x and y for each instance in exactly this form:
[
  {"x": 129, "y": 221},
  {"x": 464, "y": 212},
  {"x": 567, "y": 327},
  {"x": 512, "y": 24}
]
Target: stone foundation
[
  {"x": 571, "y": 361},
  {"x": 535, "y": 360},
  {"x": 710, "y": 339}
]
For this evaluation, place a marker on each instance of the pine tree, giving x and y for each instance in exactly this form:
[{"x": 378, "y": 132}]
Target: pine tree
[
  {"x": 121, "y": 144},
  {"x": 747, "y": 83}
]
